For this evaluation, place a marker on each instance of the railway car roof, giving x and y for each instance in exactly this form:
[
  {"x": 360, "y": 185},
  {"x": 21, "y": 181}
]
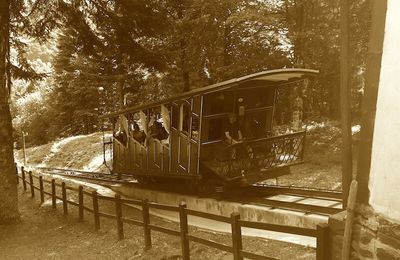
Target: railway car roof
[{"x": 271, "y": 77}]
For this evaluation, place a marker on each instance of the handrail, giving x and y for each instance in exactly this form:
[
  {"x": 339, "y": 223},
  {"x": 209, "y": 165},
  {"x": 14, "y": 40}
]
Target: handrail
[
  {"x": 126, "y": 202},
  {"x": 264, "y": 139},
  {"x": 208, "y": 216},
  {"x": 102, "y": 197},
  {"x": 259, "y": 154},
  {"x": 279, "y": 228},
  {"x": 163, "y": 207}
]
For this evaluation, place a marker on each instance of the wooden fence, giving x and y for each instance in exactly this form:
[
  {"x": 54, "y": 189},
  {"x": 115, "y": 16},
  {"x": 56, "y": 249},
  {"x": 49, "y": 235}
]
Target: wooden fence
[{"x": 236, "y": 248}]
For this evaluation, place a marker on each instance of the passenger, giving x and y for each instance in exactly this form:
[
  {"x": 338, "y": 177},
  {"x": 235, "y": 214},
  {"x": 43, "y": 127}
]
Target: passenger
[
  {"x": 241, "y": 107},
  {"x": 120, "y": 130},
  {"x": 233, "y": 134},
  {"x": 157, "y": 131},
  {"x": 120, "y": 135},
  {"x": 137, "y": 134},
  {"x": 244, "y": 123}
]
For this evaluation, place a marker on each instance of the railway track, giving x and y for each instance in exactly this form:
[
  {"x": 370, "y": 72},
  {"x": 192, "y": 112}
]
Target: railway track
[
  {"x": 308, "y": 201},
  {"x": 301, "y": 204},
  {"x": 91, "y": 176},
  {"x": 319, "y": 201},
  {"x": 293, "y": 190}
]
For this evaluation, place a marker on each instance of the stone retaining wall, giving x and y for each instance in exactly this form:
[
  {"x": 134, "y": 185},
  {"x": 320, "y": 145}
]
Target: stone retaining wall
[{"x": 374, "y": 236}]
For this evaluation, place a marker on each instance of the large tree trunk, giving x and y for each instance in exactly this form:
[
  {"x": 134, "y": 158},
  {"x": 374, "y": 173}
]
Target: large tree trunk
[{"x": 8, "y": 182}]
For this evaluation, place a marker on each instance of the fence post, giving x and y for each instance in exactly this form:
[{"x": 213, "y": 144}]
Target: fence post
[
  {"x": 322, "y": 241},
  {"x": 80, "y": 200},
  {"x": 146, "y": 222},
  {"x": 96, "y": 210},
  {"x": 41, "y": 189},
  {"x": 31, "y": 184},
  {"x": 236, "y": 236},
  {"x": 183, "y": 223},
  {"x": 16, "y": 172},
  {"x": 118, "y": 213},
  {"x": 53, "y": 194},
  {"x": 64, "y": 198},
  {"x": 23, "y": 177}
]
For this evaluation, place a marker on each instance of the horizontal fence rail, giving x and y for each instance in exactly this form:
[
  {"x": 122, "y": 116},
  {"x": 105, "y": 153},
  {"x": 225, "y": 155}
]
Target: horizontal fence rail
[{"x": 236, "y": 248}]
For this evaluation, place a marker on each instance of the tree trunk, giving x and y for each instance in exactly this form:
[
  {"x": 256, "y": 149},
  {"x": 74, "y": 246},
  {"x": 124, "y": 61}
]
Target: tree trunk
[
  {"x": 8, "y": 182},
  {"x": 183, "y": 56},
  {"x": 345, "y": 99},
  {"x": 227, "y": 42}
]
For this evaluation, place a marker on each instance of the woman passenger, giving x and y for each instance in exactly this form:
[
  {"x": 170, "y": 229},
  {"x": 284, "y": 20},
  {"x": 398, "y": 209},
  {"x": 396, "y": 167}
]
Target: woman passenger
[{"x": 137, "y": 134}]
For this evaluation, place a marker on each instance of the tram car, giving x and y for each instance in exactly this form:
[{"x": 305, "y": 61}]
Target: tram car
[{"x": 214, "y": 136}]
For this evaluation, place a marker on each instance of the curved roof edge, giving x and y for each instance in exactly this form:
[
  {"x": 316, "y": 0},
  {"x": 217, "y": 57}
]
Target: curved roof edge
[{"x": 277, "y": 76}]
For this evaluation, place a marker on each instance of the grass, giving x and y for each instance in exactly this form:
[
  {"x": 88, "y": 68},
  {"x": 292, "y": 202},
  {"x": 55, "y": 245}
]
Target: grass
[{"x": 73, "y": 152}]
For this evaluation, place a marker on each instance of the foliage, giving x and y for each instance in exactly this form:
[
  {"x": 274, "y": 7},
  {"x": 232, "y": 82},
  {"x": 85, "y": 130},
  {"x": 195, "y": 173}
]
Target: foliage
[
  {"x": 211, "y": 41},
  {"x": 30, "y": 98},
  {"x": 314, "y": 31},
  {"x": 30, "y": 67},
  {"x": 103, "y": 46},
  {"x": 15, "y": 24},
  {"x": 111, "y": 54},
  {"x": 133, "y": 52}
]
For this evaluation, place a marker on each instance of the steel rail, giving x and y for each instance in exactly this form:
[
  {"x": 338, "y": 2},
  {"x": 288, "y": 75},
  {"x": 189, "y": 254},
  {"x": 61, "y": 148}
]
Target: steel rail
[
  {"x": 307, "y": 208},
  {"x": 308, "y": 192},
  {"x": 79, "y": 171},
  {"x": 113, "y": 178}
]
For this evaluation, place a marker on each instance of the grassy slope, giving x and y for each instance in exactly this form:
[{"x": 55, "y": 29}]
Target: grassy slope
[
  {"x": 322, "y": 160},
  {"x": 74, "y": 152}
]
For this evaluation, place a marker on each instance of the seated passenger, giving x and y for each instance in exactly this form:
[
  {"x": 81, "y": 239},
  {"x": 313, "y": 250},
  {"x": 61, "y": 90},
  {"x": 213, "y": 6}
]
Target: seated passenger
[
  {"x": 137, "y": 134},
  {"x": 157, "y": 131},
  {"x": 121, "y": 130},
  {"x": 120, "y": 135}
]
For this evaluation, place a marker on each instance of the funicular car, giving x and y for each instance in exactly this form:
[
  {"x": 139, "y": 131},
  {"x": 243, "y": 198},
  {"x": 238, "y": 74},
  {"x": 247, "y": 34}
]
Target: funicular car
[{"x": 213, "y": 136}]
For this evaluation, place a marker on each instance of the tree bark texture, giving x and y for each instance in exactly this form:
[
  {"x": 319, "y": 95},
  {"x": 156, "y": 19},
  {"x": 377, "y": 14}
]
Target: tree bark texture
[
  {"x": 183, "y": 55},
  {"x": 345, "y": 96},
  {"x": 8, "y": 182}
]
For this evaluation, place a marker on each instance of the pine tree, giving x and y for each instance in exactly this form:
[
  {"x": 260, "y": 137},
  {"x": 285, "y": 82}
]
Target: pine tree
[
  {"x": 14, "y": 24},
  {"x": 313, "y": 30},
  {"x": 118, "y": 39},
  {"x": 8, "y": 183},
  {"x": 207, "y": 41}
]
